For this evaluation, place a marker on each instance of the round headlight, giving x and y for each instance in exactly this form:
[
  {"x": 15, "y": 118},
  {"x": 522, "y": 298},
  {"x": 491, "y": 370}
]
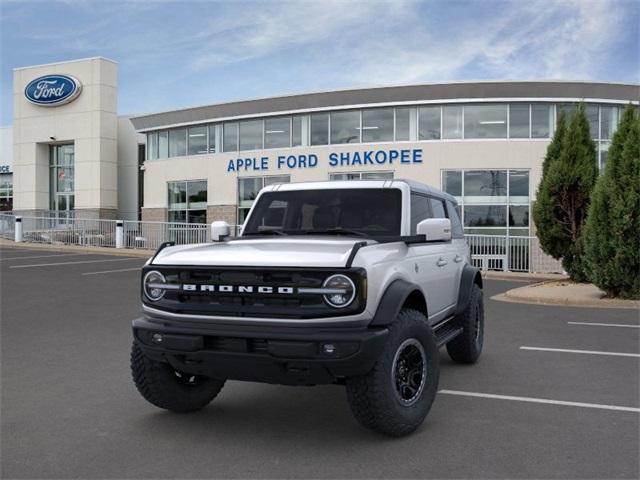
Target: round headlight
[
  {"x": 340, "y": 290},
  {"x": 152, "y": 285}
]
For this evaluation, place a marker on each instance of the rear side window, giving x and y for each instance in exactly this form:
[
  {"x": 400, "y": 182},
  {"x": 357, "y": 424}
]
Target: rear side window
[
  {"x": 420, "y": 210},
  {"x": 456, "y": 224}
]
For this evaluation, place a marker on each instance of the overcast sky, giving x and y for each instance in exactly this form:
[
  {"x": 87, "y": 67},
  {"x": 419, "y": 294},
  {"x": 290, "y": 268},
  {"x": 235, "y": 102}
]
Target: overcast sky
[{"x": 186, "y": 53}]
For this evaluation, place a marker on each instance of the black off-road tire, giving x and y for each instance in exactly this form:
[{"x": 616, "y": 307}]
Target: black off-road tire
[
  {"x": 374, "y": 397},
  {"x": 162, "y": 386},
  {"x": 467, "y": 347}
]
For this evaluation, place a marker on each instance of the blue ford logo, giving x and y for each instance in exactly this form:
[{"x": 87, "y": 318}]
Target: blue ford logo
[{"x": 53, "y": 90}]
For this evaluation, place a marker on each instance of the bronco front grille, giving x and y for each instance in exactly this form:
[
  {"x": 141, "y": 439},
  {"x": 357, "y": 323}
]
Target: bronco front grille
[{"x": 282, "y": 301}]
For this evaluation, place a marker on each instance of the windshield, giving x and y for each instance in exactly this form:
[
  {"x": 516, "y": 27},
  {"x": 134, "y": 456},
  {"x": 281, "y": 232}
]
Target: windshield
[{"x": 371, "y": 212}]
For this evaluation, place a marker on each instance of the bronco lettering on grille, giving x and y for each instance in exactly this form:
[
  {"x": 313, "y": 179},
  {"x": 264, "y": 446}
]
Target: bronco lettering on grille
[{"x": 190, "y": 287}]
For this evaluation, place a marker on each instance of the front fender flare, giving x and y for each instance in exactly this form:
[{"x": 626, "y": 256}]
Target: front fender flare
[{"x": 392, "y": 301}]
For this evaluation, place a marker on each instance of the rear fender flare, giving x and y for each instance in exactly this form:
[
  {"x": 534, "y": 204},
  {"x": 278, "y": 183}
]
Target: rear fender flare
[{"x": 470, "y": 276}]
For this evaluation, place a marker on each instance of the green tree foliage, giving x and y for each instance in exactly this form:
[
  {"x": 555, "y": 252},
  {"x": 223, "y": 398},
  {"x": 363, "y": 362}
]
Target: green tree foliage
[
  {"x": 560, "y": 210},
  {"x": 612, "y": 233}
]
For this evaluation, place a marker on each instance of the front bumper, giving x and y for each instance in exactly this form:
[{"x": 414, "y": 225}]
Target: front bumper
[{"x": 283, "y": 355}]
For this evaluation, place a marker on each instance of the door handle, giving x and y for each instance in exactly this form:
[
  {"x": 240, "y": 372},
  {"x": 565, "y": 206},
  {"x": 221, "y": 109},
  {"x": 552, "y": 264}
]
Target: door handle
[
  {"x": 458, "y": 259},
  {"x": 441, "y": 262}
]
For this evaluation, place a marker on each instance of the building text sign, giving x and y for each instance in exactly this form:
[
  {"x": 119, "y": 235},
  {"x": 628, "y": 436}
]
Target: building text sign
[{"x": 358, "y": 158}]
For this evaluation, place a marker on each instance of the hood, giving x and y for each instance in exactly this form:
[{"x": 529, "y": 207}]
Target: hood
[{"x": 263, "y": 252}]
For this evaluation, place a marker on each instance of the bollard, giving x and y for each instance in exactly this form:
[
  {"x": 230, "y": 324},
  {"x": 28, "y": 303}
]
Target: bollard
[
  {"x": 119, "y": 234},
  {"x": 18, "y": 230}
]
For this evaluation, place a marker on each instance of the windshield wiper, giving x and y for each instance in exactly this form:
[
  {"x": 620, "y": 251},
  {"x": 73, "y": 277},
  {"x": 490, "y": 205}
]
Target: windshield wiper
[
  {"x": 337, "y": 231},
  {"x": 266, "y": 231}
]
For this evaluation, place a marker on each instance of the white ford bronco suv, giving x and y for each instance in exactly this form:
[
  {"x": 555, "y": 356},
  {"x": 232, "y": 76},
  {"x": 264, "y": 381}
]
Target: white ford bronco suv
[{"x": 356, "y": 283}]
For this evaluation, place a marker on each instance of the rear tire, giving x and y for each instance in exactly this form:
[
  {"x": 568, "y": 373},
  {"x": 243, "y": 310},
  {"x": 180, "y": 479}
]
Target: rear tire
[
  {"x": 167, "y": 388},
  {"x": 396, "y": 395},
  {"x": 467, "y": 347}
]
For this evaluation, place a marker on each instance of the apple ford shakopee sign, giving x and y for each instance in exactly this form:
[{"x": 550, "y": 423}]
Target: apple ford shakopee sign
[{"x": 53, "y": 90}]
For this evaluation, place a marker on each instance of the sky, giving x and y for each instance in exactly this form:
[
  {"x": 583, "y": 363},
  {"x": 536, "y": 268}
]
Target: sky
[{"x": 176, "y": 54}]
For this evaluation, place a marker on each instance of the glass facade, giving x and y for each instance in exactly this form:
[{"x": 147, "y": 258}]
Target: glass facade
[
  {"x": 248, "y": 189},
  {"x": 6, "y": 192},
  {"x": 62, "y": 179},
  {"x": 383, "y": 124},
  {"x": 361, "y": 176},
  {"x": 492, "y": 202},
  {"x": 187, "y": 201}
]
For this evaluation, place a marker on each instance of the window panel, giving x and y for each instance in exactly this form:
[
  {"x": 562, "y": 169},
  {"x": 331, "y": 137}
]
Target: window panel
[
  {"x": 485, "y": 216},
  {"x": 230, "y": 137},
  {"x": 276, "y": 179},
  {"x": 197, "y": 139},
  {"x": 197, "y": 194},
  {"x": 452, "y": 182},
  {"x": 377, "y": 125},
  {"x": 483, "y": 186},
  {"x": 345, "y": 127},
  {"x": 452, "y": 121},
  {"x": 152, "y": 146},
  {"x": 541, "y": 120},
  {"x": 437, "y": 208},
  {"x": 296, "y": 131},
  {"x": 592, "y": 116},
  {"x": 277, "y": 132},
  {"x": 177, "y": 195},
  {"x": 248, "y": 189},
  {"x": 519, "y": 120},
  {"x": 212, "y": 139},
  {"x": 163, "y": 144},
  {"x": 608, "y": 122},
  {"x": 320, "y": 129},
  {"x": 456, "y": 224},
  {"x": 251, "y": 135},
  {"x": 519, "y": 216},
  {"x": 518, "y": 186},
  {"x": 403, "y": 124},
  {"x": 429, "y": 123},
  {"x": 178, "y": 142},
  {"x": 196, "y": 216},
  {"x": 178, "y": 216},
  {"x": 377, "y": 175},
  {"x": 420, "y": 210},
  {"x": 485, "y": 121}
]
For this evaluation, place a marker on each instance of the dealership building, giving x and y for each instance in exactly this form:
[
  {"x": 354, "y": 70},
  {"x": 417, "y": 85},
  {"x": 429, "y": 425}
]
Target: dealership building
[{"x": 483, "y": 142}]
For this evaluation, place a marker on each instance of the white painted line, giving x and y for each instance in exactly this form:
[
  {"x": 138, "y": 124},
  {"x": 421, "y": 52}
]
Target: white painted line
[
  {"x": 114, "y": 271},
  {"x": 588, "y": 352},
  {"x": 605, "y": 324},
  {"x": 42, "y": 256},
  {"x": 541, "y": 400},
  {"x": 76, "y": 263}
]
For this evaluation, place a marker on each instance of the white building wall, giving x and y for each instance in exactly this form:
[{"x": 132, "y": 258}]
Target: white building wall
[
  {"x": 128, "y": 169},
  {"x": 90, "y": 122}
]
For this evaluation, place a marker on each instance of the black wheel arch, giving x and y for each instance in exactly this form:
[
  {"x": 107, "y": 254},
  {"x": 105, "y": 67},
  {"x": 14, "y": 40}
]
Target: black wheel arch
[
  {"x": 399, "y": 294},
  {"x": 470, "y": 277}
]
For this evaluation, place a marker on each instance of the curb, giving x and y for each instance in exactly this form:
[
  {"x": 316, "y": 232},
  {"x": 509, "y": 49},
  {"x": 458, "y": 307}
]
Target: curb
[
  {"x": 523, "y": 276},
  {"x": 124, "y": 252}
]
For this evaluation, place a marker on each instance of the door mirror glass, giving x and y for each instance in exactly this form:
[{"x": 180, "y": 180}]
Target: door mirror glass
[{"x": 435, "y": 229}]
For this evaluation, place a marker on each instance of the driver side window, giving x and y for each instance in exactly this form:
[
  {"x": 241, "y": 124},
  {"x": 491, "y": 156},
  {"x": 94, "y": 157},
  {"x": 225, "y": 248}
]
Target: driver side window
[{"x": 420, "y": 209}]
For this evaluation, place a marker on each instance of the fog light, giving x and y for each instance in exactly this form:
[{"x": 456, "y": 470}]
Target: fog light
[
  {"x": 156, "y": 338},
  {"x": 329, "y": 348}
]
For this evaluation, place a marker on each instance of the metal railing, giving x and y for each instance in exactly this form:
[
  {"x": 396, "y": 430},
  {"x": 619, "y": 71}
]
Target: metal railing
[
  {"x": 488, "y": 252},
  {"x": 515, "y": 254}
]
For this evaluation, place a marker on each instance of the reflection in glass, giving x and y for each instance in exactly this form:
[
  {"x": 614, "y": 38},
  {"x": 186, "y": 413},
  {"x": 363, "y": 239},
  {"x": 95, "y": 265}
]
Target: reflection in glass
[
  {"x": 485, "y": 216},
  {"x": 541, "y": 120},
  {"x": 608, "y": 122},
  {"x": 429, "y": 123},
  {"x": 152, "y": 146},
  {"x": 452, "y": 182},
  {"x": 212, "y": 139},
  {"x": 345, "y": 127},
  {"x": 519, "y": 216},
  {"x": 197, "y": 138},
  {"x": 296, "y": 131},
  {"x": 277, "y": 132},
  {"x": 377, "y": 125},
  {"x": 452, "y": 121},
  {"x": 519, "y": 120},
  {"x": 163, "y": 144},
  {"x": 320, "y": 129},
  {"x": 230, "y": 137},
  {"x": 403, "y": 124},
  {"x": 178, "y": 142},
  {"x": 197, "y": 194},
  {"x": 485, "y": 121},
  {"x": 251, "y": 135},
  {"x": 519, "y": 186},
  {"x": 485, "y": 186}
]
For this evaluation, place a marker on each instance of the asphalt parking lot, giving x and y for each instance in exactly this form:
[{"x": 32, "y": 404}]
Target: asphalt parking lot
[{"x": 564, "y": 406}]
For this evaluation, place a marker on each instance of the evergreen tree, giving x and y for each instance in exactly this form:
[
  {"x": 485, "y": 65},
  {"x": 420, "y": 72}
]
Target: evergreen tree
[
  {"x": 563, "y": 198},
  {"x": 612, "y": 233}
]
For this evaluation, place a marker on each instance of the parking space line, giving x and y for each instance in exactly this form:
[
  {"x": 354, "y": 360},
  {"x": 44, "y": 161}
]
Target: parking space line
[
  {"x": 42, "y": 256},
  {"x": 588, "y": 352},
  {"x": 76, "y": 263},
  {"x": 604, "y": 324},
  {"x": 541, "y": 400},
  {"x": 114, "y": 271}
]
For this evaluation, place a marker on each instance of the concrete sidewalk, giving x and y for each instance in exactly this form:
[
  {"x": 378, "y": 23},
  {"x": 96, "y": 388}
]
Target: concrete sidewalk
[{"x": 567, "y": 293}]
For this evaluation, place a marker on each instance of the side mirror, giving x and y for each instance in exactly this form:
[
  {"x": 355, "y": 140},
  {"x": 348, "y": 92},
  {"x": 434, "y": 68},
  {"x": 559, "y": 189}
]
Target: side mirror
[
  {"x": 219, "y": 230},
  {"x": 435, "y": 229}
]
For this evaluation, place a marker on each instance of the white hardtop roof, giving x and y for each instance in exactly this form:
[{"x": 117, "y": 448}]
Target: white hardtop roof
[{"x": 346, "y": 184}]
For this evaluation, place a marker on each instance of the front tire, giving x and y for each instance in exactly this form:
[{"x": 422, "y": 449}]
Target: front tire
[
  {"x": 396, "y": 395},
  {"x": 467, "y": 347},
  {"x": 167, "y": 388}
]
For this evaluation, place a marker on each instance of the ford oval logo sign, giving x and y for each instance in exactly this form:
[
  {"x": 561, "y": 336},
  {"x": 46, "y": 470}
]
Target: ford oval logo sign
[{"x": 53, "y": 90}]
